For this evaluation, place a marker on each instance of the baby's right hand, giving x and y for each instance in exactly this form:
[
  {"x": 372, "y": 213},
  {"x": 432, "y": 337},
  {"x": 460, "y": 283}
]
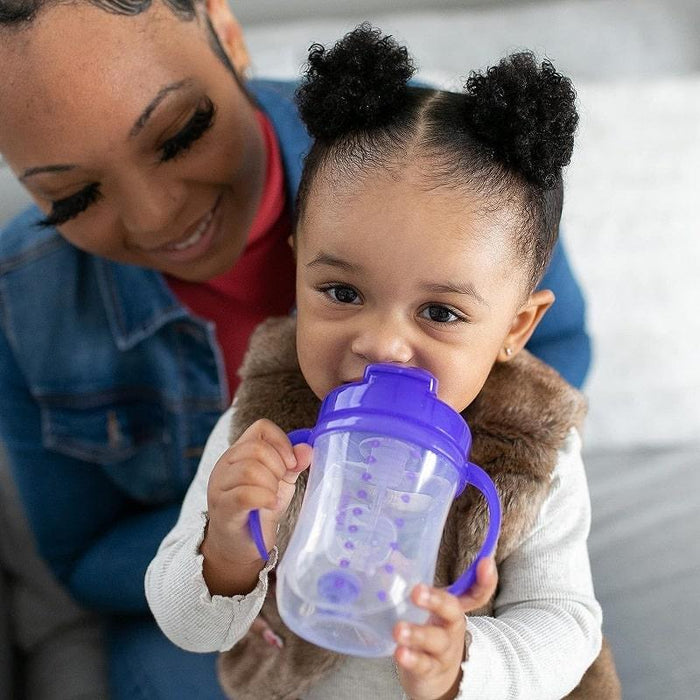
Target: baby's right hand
[{"x": 258, "y": 472}]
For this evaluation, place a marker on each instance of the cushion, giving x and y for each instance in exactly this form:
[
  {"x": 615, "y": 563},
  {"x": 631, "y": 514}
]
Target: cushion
[{"x": 645, "y": 557}]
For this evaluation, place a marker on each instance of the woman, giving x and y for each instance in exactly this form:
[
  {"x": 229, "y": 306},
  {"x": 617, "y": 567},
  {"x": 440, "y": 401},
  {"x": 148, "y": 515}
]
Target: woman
[{"x": 164, "y": 189}]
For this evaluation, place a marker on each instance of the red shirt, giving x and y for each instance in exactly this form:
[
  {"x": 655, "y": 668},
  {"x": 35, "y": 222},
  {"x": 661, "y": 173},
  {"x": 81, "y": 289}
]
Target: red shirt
[{"x": 261, "y": 283}]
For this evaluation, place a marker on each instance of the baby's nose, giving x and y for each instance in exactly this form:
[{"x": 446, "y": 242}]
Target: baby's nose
[{"x": 383, "y": 342}]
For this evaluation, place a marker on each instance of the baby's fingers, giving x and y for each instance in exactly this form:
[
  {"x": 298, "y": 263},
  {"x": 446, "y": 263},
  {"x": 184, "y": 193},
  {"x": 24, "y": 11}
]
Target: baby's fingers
[
  {"x": 483, "y": 588},
  {"x": 443, "y": 605},
  {"x": 302, "y": 453},
  {"x": 247, "y": 498},
  {"x": 266, "y": 432},
  {"x": 425, "y": 639},
  {"x": 416, "y": 662}
]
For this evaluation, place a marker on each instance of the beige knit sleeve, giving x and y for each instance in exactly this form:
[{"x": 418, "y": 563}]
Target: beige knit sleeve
[
  {"x": 546, "y": 628},
  {"x": 175, "y": 588}
]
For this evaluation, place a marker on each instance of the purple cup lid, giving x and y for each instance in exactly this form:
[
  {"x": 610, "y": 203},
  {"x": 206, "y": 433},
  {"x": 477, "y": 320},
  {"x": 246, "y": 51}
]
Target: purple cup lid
[{"x": 400, "y": 402}]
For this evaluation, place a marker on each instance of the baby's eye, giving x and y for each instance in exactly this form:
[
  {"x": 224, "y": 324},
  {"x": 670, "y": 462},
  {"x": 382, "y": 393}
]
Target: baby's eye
[
  {"x": 342, "y": 294},
  {"x": 441, "y": 314}
]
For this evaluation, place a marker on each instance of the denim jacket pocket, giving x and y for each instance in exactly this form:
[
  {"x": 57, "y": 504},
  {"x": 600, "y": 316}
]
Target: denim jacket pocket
[
  {"x": 104, "y": 434},
  {"x": 128, "y": 439}
]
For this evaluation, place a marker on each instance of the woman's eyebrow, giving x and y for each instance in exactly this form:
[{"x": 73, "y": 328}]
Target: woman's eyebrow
[
  {"x": 151, "y": 107},
  {"x": 138, "y": 125},
  {"x": 61, "y": 168}
]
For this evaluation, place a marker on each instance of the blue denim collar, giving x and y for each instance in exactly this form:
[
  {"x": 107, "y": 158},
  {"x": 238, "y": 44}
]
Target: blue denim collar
[{"x": 138, "y": 301}]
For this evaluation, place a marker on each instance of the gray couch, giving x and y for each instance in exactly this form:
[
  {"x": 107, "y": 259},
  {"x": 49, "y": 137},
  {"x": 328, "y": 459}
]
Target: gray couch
[
  {"x": 49, "y": 647},
  {"x": 630, "y": 224}
]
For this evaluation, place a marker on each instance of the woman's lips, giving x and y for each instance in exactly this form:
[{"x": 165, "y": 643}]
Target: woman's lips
[
  {"x": 194, "y": 237},
  {"x": 196, "y": 242}
]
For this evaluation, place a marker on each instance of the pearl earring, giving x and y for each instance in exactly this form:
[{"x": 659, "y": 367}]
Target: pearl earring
[{"x": 508, "y": 351}]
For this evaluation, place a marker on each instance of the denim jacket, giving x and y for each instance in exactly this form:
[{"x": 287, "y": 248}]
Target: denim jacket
[{"x": 109, "y": 389}]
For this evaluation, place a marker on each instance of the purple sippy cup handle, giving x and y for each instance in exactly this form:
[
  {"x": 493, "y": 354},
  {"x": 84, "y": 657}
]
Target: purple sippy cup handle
[
  {"x": 296, "y": 437},
  {"x": 482, "y": 481}
]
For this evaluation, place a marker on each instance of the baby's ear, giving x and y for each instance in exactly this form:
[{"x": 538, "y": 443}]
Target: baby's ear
[{"x": 526, "y": 320}]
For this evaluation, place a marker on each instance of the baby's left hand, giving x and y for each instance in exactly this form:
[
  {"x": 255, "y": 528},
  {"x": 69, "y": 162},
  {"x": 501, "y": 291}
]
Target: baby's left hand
[{"x": 429, "y": 657}]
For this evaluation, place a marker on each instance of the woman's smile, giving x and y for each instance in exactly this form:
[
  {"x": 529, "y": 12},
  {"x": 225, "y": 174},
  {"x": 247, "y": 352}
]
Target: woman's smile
[
  {"x": 196, "y": 241},
  {"x": 169, "y": 176}
]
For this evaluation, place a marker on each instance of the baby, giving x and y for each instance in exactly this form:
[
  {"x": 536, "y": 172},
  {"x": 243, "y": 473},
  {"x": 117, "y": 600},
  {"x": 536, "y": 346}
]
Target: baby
[{"x": 426, "y": 220}]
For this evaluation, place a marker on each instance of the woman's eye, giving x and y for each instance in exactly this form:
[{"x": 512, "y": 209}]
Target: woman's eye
[
  {"x": 200, "y": 122},
  {"x": 441, "y": 314},
  {"x": 63, "y": 210},
  {"x": 342, "y": 294}
]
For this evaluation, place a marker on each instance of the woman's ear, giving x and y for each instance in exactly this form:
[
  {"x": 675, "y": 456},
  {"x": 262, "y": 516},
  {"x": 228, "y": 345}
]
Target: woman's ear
[
  {"x": 230, "y": 34},
  {"x": 524, "y": 323}
]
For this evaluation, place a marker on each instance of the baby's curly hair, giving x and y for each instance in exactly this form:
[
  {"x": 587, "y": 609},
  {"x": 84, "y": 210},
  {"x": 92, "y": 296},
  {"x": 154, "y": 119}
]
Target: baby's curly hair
[{"x": 505, "y": 138}]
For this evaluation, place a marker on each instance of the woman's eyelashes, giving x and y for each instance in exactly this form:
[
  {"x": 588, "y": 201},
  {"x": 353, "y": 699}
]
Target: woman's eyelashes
[
  {"x": 200, "y": 122},
  {"x": 67, "y": 208},
  {"x": 63, "y": 210}
]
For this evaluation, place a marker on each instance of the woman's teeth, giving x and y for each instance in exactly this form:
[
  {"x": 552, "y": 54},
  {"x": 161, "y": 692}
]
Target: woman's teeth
[{"x": 198, "y": 233}]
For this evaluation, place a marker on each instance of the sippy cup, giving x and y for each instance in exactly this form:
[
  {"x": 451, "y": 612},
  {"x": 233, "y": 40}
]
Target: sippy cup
[{"x": 389, "y": 458}]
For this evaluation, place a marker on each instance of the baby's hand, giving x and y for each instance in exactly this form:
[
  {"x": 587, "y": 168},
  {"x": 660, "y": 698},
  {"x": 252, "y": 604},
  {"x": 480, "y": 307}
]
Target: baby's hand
[
  {"x": 257, "y": 472},
  {"x": 429, "y": 656}
]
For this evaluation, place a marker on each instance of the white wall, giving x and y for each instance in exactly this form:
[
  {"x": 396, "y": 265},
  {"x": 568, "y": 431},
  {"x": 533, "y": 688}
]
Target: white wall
[
  {"x": 594, "y": 40},
  {"x": 250, "y": 11}
]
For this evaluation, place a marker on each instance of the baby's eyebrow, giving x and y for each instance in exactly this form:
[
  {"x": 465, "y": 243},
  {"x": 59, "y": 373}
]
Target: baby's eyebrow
[
  {"x": 333, "y": 261},
  {"x": 450, "y": 287}
]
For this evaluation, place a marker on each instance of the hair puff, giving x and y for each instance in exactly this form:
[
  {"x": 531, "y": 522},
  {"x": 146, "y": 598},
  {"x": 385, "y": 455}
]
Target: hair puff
[
  {"x": 356, "y": 85},
  {"x": 526, "y": 115}
]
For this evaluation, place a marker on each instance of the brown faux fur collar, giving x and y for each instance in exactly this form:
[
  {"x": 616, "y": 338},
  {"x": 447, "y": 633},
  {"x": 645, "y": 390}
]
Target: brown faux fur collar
[{"x": 518, "y": 423}]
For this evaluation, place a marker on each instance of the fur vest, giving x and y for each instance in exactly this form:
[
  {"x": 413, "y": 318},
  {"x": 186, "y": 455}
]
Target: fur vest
[{"x": 518, "y": 422}]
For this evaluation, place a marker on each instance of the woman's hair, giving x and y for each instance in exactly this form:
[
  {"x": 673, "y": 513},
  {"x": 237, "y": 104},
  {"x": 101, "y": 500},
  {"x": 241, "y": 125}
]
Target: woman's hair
[
  {"x": 22, "y": 12},
  {"x": 504, "y": 139}
]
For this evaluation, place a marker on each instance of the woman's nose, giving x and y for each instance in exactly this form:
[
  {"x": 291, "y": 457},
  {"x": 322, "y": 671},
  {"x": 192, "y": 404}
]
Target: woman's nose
[
  {"x": 383, "y": 341},
  {"x": 150, "y": 210}
]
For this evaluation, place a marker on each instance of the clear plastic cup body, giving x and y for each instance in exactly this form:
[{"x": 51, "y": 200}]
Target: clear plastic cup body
[{"x": 368, "y": 531}]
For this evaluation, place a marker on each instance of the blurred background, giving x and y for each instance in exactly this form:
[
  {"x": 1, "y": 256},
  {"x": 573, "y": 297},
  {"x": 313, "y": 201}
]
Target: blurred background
[
  {"x": 596, "y": 39},
  {"x": 631, "y": 228}
]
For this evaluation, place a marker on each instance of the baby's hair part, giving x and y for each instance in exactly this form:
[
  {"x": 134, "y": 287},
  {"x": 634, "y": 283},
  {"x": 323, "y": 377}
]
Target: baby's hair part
[{"x": 505, "y": 138}]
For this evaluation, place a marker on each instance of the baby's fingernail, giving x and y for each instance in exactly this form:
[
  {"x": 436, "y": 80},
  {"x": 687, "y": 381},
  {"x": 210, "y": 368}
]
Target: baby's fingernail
[
  {"x": 423, "y": 595},
  {"x": 273, "y": 639},
  {"x": 404, "y": 633}
]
